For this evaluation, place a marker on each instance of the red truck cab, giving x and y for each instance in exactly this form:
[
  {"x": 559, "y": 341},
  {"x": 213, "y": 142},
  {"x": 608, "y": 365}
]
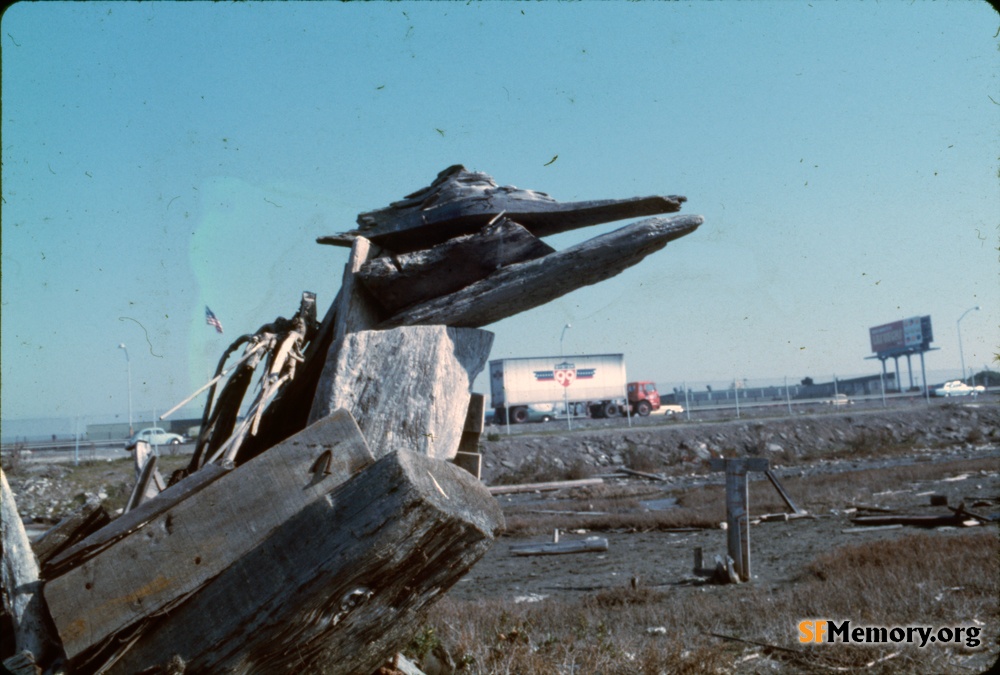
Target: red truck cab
[{"x": 643, "y": 397}]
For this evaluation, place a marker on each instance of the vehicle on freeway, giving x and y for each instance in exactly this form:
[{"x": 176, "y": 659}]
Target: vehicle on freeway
[
  {"x": 839, "y": 399},
  {"x": 958, "y": 388},
  {"x": 534, "y": 412},
  {"x": 155, "y": 436},
  {"x": 671, "y": 409}
]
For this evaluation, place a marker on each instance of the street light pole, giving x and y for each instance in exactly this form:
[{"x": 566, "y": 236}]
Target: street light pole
[
  {"x": 569, "y": 416},
  {"x": 128, "y": 366},
  {"x": 561, "y": 336},
  {"x": 958, "y": 324}
]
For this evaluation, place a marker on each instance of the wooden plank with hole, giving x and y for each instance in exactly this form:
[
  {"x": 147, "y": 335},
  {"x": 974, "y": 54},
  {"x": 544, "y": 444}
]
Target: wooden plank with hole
[{"x": 177, "y": 552}]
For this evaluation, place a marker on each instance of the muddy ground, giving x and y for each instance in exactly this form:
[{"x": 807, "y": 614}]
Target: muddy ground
[{"x": 798, "y": 447}]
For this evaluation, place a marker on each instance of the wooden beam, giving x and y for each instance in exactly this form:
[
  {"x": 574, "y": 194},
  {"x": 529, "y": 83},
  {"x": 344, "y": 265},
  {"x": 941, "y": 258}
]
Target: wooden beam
[
  {"x": 407, "y": 387},
  {"x": 523, "y": 286},
  {"x": 358, "y": 572},
  {"x": 544, "y": 487},
  {"x": 93, "y": 543},
  {"x": 781, "y": 492},
  {"x": 399, "y": 281},
  {"x": 592, "y": 545},
  {"x": 179, "y": 551},
  {"x": 460, "y": 202}
]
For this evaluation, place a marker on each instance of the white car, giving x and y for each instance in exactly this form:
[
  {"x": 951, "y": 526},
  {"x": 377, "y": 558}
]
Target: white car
[
  {"x": 958, "y": 388},
  {"x": 839, "y": 399},
  {"x": 671, "y": 409},
  {"x": 155, "y": 436}
]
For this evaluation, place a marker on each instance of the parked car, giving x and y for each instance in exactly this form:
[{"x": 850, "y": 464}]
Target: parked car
[
  {"x": 155, "y": 436},
  {"x": 958, "y": 388},
  {"x": 839, "y": 399}
]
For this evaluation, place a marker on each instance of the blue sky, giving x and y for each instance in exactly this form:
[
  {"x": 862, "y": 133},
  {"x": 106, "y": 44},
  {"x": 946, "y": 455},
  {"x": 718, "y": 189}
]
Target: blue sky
[{"x": 158, "y": 157}]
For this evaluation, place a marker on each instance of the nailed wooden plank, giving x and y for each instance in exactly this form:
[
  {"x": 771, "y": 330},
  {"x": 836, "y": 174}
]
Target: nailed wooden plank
[
  {"x": 358, "y": 569},
  {"x": 522, "y": 286},
  {"x": 544, "y": 487},
  {"x": 179, "y": 550},
  {"x": 591, "y": 545},
  {"x": 131, "y": 521},
  {"x": 398, "y": 281},
  {"x": 460, "y": 202},
  {"x": 407, "y": 387}
]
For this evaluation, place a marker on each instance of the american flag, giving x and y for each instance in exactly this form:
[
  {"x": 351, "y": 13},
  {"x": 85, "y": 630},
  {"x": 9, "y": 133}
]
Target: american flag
[{"x": 211, "y": 320}]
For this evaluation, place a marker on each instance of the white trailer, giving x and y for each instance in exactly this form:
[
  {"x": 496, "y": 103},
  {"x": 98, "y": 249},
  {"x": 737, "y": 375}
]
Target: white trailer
[{"x": 592, "y": 385}]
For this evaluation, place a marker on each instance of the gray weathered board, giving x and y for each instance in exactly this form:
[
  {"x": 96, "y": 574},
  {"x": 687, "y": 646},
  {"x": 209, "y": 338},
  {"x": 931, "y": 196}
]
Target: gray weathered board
[
  {"x": 408, "y": 387},
  {"x": 460, "y": 202},
  {"x": 398, "y": 281},
  {"x": 523, "y": 286},
  {"x": 342, "y": 586},
  {"x": 174, "y": 554}
]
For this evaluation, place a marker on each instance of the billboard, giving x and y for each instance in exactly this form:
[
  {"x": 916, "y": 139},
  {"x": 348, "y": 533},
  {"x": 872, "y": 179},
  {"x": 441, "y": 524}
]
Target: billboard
[{"x": 899, "y": 337}]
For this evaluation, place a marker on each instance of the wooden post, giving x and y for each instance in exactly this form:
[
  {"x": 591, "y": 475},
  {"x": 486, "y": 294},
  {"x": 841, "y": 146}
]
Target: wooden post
[{"x": 738, "y": 508}]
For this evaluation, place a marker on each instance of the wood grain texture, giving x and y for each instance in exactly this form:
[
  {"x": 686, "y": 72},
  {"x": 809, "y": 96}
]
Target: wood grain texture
[
  {"x": 398, "y": 281},
  {"x": 177, "y": 552},
  {"x": 407, "y": 387},
  {"x": 460, "y": 202},
  {"x": 342, "y": 586},
  {"x": 520, "y": 287},
  {"x": 22, "y": 590}
]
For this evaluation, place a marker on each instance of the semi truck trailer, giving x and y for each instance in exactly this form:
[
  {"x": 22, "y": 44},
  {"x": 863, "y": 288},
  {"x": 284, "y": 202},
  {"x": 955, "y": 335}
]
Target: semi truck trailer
[{"x": 592, "y": 385}]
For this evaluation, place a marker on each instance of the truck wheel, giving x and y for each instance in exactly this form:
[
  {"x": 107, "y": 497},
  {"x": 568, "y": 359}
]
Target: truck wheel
[
  {"x": 610, "y": 409},
  {"x": 642, "y": 408},
  {"x": 519, "y": 415}
]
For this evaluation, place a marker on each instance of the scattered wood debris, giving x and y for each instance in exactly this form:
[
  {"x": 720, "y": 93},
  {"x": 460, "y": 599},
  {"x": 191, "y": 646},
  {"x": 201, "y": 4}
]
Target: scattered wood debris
[{"x": 308, "y": 521}]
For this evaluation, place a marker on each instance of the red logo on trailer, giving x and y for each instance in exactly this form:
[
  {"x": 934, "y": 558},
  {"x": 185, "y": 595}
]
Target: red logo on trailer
[{"x": 565, "y": 374}]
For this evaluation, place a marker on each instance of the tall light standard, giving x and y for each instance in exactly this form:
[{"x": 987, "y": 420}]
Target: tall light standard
[
  {"x": 958, "y": 324},
  {"x": 128, "y": 365},
  {"x": 561, "y": 336},
  {"x": 569, "y": 416}
]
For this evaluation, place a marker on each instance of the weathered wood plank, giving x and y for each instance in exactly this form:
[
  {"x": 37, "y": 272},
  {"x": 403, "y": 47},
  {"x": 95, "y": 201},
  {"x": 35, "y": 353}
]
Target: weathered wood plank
[
  {"x": 407, "y": 387},
  {"x": 73, "y": 528},
  {"x": 460, "y": 202},
  {"x": 475, "y": 418},
  {"x": 470, "y": 461},
  {"x": 22, "y": 590},
  {"x": 129, "y": 522},
  {"x": 399, "y": 281},
  {"x": 522, "y": 286},
  {"x": 178, "y": 551},
  {"x": 596, "y": 544},
  {"x": 356, "y": 308},
  {"x": 358, "y": 571},
  {"x": 544, "y": 487}
]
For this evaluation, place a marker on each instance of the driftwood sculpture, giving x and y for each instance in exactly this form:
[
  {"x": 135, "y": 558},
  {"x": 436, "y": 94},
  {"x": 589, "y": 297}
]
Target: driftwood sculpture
[{"x": 313, "y": 533}]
